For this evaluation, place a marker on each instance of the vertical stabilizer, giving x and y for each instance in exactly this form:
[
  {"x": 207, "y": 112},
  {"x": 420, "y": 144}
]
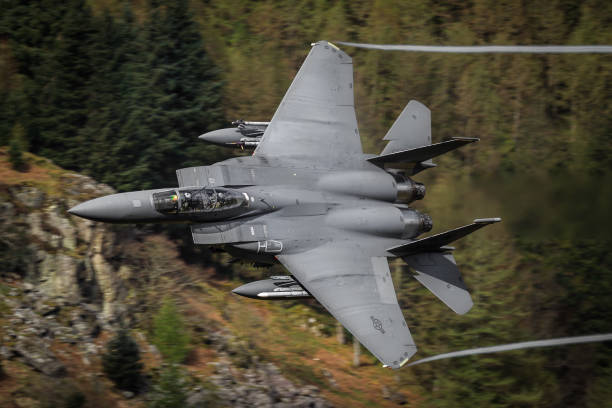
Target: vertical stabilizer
[{"x": 411, "y": 129}]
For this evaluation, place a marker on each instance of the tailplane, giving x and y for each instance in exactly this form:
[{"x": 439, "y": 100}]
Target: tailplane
[
  {"x": 435, "y": 265},
  {"x": 410, "y": 141}
]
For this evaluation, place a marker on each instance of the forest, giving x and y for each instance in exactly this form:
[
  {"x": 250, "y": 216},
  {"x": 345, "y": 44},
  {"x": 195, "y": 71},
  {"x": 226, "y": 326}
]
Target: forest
[{"x": 119, "y": 91}]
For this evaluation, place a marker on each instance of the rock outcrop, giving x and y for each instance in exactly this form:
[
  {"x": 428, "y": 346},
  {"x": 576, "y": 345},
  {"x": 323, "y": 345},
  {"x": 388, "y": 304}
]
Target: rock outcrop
[{"x": 65, "y": 273}]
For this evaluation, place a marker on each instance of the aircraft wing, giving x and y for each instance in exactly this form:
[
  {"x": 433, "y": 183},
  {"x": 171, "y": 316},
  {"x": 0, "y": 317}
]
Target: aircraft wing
[
  {"x": 358, "y": 291},
  {"x": 316, "y": 118}
]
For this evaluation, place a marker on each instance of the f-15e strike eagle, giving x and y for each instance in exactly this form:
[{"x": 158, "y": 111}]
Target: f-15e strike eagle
[{"x": 310, "y": 199}]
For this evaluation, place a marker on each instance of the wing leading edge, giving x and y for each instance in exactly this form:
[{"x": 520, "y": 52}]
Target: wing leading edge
[
  {"x": 358, "y": 291},
  {"x": 316, "y": 118}
]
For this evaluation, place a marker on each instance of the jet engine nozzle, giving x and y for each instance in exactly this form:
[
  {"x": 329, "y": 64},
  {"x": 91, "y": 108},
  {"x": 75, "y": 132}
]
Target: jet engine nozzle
[
  {"x": 415, "y": 222},
  {"x": 408, "y": 190},
  {"x": 426, "y": 222}
]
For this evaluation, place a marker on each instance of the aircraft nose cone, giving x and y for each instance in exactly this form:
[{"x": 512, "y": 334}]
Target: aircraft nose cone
[
  {"x": 250, "y": 290},
  {"x": 98, "y": 209},
  {"x": 130, "y": 207}
]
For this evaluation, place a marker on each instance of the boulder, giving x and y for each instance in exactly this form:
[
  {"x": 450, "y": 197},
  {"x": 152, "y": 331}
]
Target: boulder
[
  {"x": 30, "y": 197},
  {"x": 58, "y": 276},
  {"x": 61, "y": 224},
  {"x": 36, "y": 354}
]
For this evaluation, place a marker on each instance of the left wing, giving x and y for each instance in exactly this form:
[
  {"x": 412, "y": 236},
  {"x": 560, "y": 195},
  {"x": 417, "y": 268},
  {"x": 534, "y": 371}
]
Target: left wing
[
  {"x": 316, "y": 118},
  {"x": 358, "y": 291}
]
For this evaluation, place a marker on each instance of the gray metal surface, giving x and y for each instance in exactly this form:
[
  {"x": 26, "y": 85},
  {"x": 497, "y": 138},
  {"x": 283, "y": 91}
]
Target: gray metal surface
[
  {"x": 316, "y": 118},
  {"x": 411, "y": 129},
  {"x": 422, "y": 153},
  {"x": 438, "y": 272},
  {"x": 438, "y": 241},
  {"x": 356, "y": 288}
]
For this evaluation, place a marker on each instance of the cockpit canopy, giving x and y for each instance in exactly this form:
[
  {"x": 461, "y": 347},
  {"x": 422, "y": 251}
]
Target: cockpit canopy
[{"x": 198, "y": 200}]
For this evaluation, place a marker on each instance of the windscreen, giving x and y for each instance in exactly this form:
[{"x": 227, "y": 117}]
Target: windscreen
[{"x": 194, "y": 201}]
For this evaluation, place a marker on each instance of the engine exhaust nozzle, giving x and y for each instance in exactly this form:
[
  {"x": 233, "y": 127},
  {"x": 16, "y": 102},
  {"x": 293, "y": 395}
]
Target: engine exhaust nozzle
[{"x": 408, "y": 190}]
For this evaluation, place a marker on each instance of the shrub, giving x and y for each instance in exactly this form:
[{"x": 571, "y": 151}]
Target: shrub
[
  {"x": 16, "y": 147},
  {"x": 169, "y": 333},
  {"x": 169, "y": 389},
  {"x": 121, "y": 362}
]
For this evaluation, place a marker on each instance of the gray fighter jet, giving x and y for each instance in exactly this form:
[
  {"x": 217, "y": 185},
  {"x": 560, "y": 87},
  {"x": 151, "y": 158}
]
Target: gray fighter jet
[{"x": 310, "y": 199}]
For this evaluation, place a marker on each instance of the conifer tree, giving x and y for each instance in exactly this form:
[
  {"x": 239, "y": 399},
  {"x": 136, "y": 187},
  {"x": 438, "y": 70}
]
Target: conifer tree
[
  {"x": 169, "y": 391},
  {"x": 121, "y": 362},
  {"x": 112, "y": 58},
  {"x": 169, "y": 333},
  {"x": 16, "y": 147},
  {"x": 63, "y": 99},
  {"x": 175, "y": 97}
]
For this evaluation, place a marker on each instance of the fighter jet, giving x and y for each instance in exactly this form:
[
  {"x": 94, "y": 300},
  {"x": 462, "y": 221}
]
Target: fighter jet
[{"x": 311, "y": 200}]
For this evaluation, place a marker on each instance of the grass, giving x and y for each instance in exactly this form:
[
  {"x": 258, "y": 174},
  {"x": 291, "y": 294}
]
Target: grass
[
  {"x": 54, "y": 181},
  {"x": 275, "y": 333}
]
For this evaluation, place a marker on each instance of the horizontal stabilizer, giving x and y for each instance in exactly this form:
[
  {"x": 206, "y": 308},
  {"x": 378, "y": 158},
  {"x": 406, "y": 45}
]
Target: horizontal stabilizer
[
  {"x": 438, "y": 272},
  {"x": 437, "y": 242},
  {"x": 423, "y": 153}
]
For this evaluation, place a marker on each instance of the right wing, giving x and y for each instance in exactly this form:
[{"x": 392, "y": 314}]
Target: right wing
[
  {"x": 357, "y": 290},
  {"x": 316, "y": 118}
]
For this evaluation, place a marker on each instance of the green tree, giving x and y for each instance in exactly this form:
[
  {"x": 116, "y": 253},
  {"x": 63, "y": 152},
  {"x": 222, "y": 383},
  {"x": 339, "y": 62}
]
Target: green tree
[
  {"x": 169, "y": 389},
  {"x": 175, "y": 96},
  {"x": 17, "y": 146},
  {"x": 121, "y": 362},
  {"x": 115, "y": 57},
  {"x": 63, "y": 98},
  {"x": 169, "y": 333}
]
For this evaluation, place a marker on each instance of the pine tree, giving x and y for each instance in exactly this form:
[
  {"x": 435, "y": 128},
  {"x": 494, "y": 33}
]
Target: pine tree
[
  {"x": 121, "y": 362},
  {"x": 174, "y": 98},
  {"x": 169, "y": 333},
  {"x": 113, "y": 58},
  {"x": 169, "y": 391},
  {"x": 63, "y": 100},
  {"x": 16, "y": 147}
]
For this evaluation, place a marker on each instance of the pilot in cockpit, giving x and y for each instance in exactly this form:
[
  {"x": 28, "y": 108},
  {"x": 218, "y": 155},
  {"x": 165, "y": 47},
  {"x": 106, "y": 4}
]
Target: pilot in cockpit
[{"x": 186, "y": 202}]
